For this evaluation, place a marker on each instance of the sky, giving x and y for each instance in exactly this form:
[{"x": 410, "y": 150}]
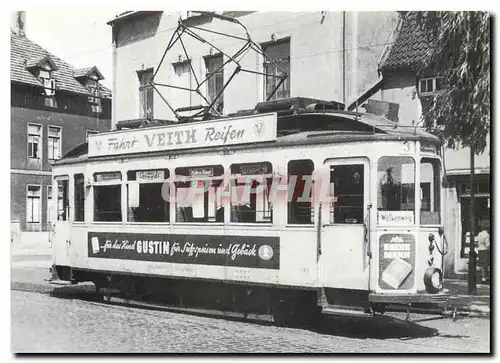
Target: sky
[{"x": 80, "y": 37}]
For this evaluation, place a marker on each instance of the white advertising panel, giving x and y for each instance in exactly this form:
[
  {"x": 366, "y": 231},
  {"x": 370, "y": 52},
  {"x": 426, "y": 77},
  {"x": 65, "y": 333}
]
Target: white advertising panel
[{"x": 234, "y": 131}]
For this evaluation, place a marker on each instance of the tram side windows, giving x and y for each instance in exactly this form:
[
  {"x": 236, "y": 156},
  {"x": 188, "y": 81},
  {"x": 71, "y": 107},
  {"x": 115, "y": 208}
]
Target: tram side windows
[
  {"x": 300, "y": 207},
  {"x": 198, "y": 194},
  {"x": 63, "y": 200},
  {"x": 430, "y": 191},
  {"x": 147, "y": 194},
  {"x": 347, "y": 192},
  {"x": 396, "y": 190},
  {"x": 250, "y": 187},
  {"x": 107, "y": 197},
  {"x": 79, "y": 198}
]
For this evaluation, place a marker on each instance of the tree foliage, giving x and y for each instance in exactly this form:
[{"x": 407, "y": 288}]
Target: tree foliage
[{"x": 461, "y": 53}]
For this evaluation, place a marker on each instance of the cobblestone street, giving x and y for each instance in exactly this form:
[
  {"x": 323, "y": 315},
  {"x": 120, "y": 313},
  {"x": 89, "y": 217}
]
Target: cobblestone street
[{"x": 41, "y": 323}]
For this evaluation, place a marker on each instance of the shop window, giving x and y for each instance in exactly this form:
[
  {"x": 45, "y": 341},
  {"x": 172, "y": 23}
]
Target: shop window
[
  {"x": 347, "y": 194},
  {"x": 107, "y": 197},
  {"x": 79, "y": 198},
  {"x": 33, "y": 206},
  {"x": 300, "y": 206},
  {"x": 250, "y": 187},
  {"x": 148, "y": 201},
  {"x": 199, "y": 194}
]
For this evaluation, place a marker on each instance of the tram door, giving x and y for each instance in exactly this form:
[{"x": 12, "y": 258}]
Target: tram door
[
  {"x": 60, "y": 243},
  {"x": 344, "y": 261}
]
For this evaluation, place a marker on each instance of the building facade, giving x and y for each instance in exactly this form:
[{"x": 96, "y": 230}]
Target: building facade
[
  {"x": 53, "y": 108},
  {"x": 409, "y": 80},
  {"x": 327, "y": 56}
]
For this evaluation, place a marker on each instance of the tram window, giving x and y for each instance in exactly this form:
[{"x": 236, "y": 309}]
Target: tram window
[
  {"x": 107, "y": 197},
  {"x": 347, "y": 188},
  {"x": 396, "y": 188},
  {"x": 147, "y": 201},
  {"x": 300, "y": 207},
  {"x": 198, "y": 194},
  {"x": 250, "y": 187},
  {"x": 430, "y": 191},
  {"x": 62, "y": 200},
  {"x": 79, "y": 198}
]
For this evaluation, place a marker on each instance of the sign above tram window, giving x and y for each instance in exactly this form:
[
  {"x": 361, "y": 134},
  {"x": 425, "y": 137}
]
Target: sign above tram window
[
  {"x": 150, "y": 175},
  {"x": 391, "y": 217},
  {"x": 109, "y": 176},
  {"x": 234, "y": 131},
  {"x": 196, "y": 172},
  {"x": 428, "y": 148}
]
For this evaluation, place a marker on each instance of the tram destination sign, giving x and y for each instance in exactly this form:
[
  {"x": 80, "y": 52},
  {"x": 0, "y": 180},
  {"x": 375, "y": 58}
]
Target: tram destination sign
[
  {"x": 234, "y": 131},
  {"x": 237, "y": 251}
]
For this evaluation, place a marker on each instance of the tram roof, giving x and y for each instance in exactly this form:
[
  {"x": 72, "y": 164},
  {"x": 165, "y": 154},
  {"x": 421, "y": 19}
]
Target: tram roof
[{"x": 303, "y": 128}]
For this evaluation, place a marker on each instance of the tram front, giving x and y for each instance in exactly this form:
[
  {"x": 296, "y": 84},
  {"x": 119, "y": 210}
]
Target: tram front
[{"x": 408, "y": 238}]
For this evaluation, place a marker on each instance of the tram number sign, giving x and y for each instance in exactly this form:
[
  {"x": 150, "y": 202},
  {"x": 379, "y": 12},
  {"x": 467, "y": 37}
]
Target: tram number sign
[
  {"x": 396, "y": 261},
  {"x": 237, "y": 251}
]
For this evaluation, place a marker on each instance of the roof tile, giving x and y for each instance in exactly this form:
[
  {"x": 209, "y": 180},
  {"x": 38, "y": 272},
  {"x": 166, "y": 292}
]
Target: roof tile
[{"x": 24, "y": 50}]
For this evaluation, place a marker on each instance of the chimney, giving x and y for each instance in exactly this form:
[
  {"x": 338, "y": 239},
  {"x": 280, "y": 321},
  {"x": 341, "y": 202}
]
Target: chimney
[{"x": 18, "y": 22}]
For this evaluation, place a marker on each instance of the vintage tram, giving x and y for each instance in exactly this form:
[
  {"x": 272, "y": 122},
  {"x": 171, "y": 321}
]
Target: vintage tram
[{"x": 293, "y": 208}]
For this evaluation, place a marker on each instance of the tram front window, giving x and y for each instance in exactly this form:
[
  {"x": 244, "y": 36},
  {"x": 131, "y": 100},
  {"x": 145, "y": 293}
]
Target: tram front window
[
  {"x": 396, "y": 189},
  {"x": 430, "y": 191},
  {"x": 147, "y": 201},
  {"x": 347, "y": 188},
  {"x": 198, "y": 198}
]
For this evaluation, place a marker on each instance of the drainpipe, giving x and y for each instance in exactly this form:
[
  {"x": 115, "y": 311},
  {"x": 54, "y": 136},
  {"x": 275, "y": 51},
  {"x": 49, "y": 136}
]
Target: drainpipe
[
  {"x": 343, "y": 58},
  {"x": 114, "y": 31}
]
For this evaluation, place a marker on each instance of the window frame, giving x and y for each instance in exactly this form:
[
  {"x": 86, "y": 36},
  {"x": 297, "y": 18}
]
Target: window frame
[
  {"x": 312, "y": 204},
  {"x": 213, "y": 80},
  {"x": 75, "y": 199},
  {"x": 433, "y": 198},
  {"x": 330, "y": 207},
  {"x": 39, "y": 197},
  {"x": 286, "y": 85},
  {"x": 434, "y": 85},
  {"x": 39, "y": 141},
  {"x": 179, "y": 178},
  {"x": 146, "y": 93},
  {"x": 52, "y": 137},
  {"x": 49, "y": 203},
  {"x": 233, "y": 177},
  {"x": 166, "y": 179},
  {"x": 107, "y": 183}
]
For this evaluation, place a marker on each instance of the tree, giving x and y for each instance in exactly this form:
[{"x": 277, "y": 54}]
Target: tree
[{"x": 461, "y": 52}]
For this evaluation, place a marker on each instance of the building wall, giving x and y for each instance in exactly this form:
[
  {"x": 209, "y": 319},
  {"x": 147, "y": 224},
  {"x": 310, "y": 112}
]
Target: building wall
[
  {"x": 72, "y": 114},
  {"x": 316, "y": 49}
]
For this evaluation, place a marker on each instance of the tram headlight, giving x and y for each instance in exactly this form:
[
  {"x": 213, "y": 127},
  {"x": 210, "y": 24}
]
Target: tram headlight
[{"x": 433, "y": 280}]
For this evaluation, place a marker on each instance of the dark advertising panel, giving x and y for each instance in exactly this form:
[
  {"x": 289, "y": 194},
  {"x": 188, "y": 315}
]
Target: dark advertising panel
[
  {"x": 238, "y": 251},
  {"x": 396, "y": 261}
]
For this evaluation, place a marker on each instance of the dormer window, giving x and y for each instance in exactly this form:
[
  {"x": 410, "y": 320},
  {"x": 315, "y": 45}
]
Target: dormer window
[
  {"x": 43, "y": 68},
  {"x": 430, "y": 86},
  {"x": 89, "y": 77},
  {"x": 49, "y": 83}
]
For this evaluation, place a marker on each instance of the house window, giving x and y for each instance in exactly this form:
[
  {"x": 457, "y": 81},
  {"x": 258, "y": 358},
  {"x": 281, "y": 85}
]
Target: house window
[
  {"x": 146, "y": 94},
  {"x": 429, "y": 86},
  {"x": 54, "y": 148},
  {"x": 34, "y": 141},
  {"x": 215, "y": 80},
  {"x": 49, "y": 203},
  {"x": 33, "y": 204},
  {"x": 49, "y": 83},
  {"x": 279, "y": 52},
  {"x": 90, "y": 132}
]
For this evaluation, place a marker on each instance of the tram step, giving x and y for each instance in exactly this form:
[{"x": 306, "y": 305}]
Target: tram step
[
  {"x": 341, "y": 310},
  {"x": 60, "y": 282}
]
